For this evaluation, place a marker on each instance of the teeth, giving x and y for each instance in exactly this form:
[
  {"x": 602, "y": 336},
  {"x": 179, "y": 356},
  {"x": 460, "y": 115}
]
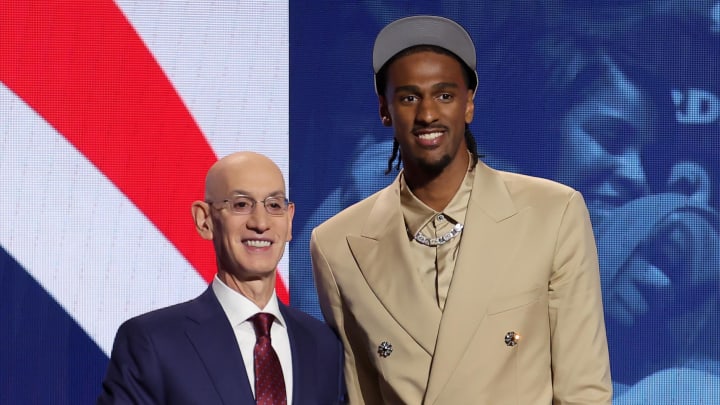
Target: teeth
[
  {"x": 430, "y": 136},
  {"x": 257, "y": 243}
]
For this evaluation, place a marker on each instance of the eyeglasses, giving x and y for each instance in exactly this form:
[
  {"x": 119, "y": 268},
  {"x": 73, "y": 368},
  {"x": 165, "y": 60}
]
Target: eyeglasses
[{"x": 244, "y": 205}]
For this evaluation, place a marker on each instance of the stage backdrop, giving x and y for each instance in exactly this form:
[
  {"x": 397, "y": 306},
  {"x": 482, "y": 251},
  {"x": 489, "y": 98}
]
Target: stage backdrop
[{"x": 112, "y": 111}]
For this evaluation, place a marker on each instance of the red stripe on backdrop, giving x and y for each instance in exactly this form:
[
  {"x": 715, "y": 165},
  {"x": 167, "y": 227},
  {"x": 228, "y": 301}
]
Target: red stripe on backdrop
[{"x": 85, "y": 70}]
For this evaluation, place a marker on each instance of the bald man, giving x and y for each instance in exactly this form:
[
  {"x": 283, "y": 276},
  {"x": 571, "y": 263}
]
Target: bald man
[{"x": 203, "y": 351}]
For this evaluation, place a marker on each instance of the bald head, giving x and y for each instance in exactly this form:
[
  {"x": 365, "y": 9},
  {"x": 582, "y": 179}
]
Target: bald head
[
  {"x": 229, "y": 171},
  {"x": 248, "y": 244}
]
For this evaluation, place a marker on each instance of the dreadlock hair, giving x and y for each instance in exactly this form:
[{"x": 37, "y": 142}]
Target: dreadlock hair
[
  {"x": 470, "y": 80},
  {"x": 469, "y": 140}
]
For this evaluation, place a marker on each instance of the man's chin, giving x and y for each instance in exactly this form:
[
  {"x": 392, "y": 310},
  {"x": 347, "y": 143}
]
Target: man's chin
[
  {"x": 253, "y": 272},
  {"x": 436, "y": 167}
]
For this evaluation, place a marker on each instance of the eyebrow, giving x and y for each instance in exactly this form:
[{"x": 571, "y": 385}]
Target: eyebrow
[
  {"x": 277, "y": 193},
  {"x": 416, "y": 89}
]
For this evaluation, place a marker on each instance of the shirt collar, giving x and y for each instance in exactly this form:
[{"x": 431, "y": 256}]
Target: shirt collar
[
  {"x": 239, "y": 308},
  {"x": 418, "y": 215}
]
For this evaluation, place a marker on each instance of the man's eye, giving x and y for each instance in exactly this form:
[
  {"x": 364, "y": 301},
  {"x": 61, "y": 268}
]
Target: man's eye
[
  {"x": 408, "y": 99},
  {"x": 273, "y": 204},
  {"x": 615, "y": 135},
  {"x": 241, "y": 204},
  {"x": 446, "y": 96}
]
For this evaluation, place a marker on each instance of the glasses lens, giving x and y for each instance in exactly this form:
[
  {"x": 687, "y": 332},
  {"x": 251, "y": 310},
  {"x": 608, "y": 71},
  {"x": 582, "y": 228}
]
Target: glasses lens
[
  {"x": 242, "y": 204},
  {"x": 276, "y": 205}
]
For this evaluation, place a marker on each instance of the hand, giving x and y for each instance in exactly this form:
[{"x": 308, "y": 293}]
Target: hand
[{"x": 638, "y": 287}]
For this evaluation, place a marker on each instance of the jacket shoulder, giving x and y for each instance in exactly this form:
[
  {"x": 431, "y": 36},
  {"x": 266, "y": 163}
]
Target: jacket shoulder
[
  {"x": 162, "y": 319},
  {"x": 529, "y": 190},
  {"x": 516, "y": 181}
]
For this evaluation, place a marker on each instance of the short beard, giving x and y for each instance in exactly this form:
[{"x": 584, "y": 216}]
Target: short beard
[{"x": 435, "y": 168}]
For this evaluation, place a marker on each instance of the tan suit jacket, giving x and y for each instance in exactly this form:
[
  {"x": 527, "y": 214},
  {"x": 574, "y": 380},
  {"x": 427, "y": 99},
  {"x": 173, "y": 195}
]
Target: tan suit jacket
[{"x": 527, "y": 263}]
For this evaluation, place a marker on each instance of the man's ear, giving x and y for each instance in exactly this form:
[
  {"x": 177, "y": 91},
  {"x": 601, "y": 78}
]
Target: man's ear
[
  {"x": 470, "y": 108},
  {"x": 290, "y": 215},
  {"x": 384, "y": 112},
  {"x": 203, "y": 220}
]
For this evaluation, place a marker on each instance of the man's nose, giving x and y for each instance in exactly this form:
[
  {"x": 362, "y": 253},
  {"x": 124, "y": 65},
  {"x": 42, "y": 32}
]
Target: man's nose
[
  {"x": 427, "y": 111},
  {"x": 259, "y": 219},
  {"x": 628, "y": 166}
]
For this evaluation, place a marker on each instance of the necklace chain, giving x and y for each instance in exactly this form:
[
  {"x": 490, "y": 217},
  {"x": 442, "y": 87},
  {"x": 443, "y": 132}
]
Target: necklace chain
[{"x": 432, "y": 242}]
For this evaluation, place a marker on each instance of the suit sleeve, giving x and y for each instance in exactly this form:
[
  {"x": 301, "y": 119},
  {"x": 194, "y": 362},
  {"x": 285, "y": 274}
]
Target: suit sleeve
[
  {"x": 580, "y": 360},
  {"x": 133, "y": 375},
  {"x": 332, "y": 309}
]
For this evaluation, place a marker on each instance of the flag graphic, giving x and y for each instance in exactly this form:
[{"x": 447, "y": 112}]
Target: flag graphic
[{"x": 110, "y": 115}]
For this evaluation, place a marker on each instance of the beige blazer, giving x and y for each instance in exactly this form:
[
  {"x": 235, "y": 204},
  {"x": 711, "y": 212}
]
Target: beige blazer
[{"x": 527, "y": 263}]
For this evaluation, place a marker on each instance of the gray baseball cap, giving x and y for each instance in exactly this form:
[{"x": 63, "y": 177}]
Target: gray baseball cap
[{"x": 424, "y": 30}]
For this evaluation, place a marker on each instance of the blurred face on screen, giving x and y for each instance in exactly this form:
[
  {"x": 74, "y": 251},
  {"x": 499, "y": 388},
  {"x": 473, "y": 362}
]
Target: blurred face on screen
[
  {"x": 603, "y": 137},
  {"x": 249, "y": 241},
  {"x": 429, "y": 103}
]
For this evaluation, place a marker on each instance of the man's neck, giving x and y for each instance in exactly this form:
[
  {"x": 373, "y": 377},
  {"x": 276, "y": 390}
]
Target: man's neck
[
  {"x": 258, "y": 291},
  {"x": 436, "y": 191}
]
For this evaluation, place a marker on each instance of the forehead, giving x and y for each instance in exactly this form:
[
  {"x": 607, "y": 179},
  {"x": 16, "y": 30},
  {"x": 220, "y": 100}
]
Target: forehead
[
  {"x": 254, "y": 178},
  {"x": 425, "y": 66},
  {"x": 618, "y": 98}
]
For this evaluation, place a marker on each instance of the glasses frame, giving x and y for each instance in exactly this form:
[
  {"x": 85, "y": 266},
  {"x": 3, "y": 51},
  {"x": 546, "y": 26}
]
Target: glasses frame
[{"x": 227, "y": 203}]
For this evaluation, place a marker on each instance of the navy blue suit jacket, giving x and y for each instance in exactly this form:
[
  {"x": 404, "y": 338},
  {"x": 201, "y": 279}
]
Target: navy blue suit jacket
[{"x": 188, "y": 354}]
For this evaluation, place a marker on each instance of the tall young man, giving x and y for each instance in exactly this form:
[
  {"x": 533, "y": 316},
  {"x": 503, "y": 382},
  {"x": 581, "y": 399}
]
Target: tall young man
[{"x": 458, "y": 283}]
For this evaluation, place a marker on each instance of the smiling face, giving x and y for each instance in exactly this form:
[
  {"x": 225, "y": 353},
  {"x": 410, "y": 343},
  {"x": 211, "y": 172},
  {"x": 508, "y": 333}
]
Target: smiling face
[
  {"x": 428, "y": 102},
  {"x": 603, "y": 138},
  {"x": 247, "y": 246}
]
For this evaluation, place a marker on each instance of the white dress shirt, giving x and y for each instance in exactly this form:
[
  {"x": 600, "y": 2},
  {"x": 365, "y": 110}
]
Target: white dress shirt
[{"x": 239, "y": 309}]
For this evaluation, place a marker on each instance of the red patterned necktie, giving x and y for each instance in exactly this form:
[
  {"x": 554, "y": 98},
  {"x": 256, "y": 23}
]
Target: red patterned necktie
[{"x": 269, "y": 381}]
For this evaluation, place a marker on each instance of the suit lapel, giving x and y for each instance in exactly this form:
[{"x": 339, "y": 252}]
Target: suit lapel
[
  {"x": 483, "y": 250},
  {"x": 383, "y": 254},
  {"x": 303, "y": 356},
  {"x": 212, "y": 336}
]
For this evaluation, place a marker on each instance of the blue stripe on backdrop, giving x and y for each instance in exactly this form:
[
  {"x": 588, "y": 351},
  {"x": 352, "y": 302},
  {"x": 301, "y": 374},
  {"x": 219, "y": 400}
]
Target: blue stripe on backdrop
[{"x": 46, "y": 357}]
